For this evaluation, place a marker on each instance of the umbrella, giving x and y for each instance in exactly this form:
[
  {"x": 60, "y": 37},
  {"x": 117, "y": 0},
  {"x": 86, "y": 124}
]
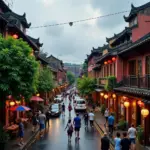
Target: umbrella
[
  {"x": 20, "y": 108},
  {"x": 36, "y": 98}
]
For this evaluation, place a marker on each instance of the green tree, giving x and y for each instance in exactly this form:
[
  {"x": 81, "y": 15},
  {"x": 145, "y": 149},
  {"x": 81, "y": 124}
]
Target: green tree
[
  {"x": 85, "y": 85},
  {"x": 46, "y": 83},
  {"x": 70, "y": 77},
  {"x": 18, "y": 69}
]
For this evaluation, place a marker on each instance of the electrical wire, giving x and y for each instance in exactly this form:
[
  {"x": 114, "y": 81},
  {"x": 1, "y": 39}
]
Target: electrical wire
[{"x": 78, "y": 21}]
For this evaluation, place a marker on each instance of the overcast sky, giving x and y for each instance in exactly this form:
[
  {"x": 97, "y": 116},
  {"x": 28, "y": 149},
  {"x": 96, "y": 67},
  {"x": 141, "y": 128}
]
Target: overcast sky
[{"x": 71, "y": 44}]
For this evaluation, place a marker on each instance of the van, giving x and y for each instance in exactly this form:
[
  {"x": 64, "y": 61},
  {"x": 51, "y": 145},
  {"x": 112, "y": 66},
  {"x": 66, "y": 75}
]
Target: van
[{"x": 80, "y": 105}]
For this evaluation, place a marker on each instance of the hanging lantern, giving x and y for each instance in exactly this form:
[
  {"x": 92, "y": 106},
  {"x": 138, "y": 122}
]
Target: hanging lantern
[
  {"x": 105, "y": 63},
  {"x": 11, "y": 103},
  {"x": 134, "y": 104},
  {"x": 126, "y": 104},
  {"x": 15, "y": 36},
  {"x": 71, "y": 23},
  {"x": 144, "y": 112},
  {"x": 109, "y": 61},
  {"x": 102, "y": 94},
  {"x": 32, "y": 53},
  {"x": 9, "y": 96},
  {"x": 113, "y": 59},
  {"x": 114, "y": 95},
  {"x": 37, "y": 94},
  {"x": 140, "y": 103},
  {"x": 105, "y": 96},
  {"x": 17, "y": 102},
  {"x": 124, "y": 97}
]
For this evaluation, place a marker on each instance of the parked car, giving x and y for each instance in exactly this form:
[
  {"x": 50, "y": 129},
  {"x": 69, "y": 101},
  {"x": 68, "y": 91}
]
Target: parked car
[
  {"x": 58, "y": 99},
  {"x": 80, "y": 105},
  {"x": 55, "y": 110}
]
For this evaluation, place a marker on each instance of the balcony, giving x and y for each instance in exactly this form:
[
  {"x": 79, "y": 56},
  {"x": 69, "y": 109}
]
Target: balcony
[
  {"x": 102, "y": 81},
  {"x": 137, "y": 81}
]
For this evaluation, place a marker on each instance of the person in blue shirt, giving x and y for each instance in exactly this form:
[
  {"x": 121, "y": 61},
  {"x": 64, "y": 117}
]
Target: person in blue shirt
[
  {"x": 117, "y": 141},
  {"x": 111, "y": 121},
  {"x": 77, "y": 125}
]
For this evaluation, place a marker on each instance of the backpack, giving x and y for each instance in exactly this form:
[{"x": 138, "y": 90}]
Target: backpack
[{"x": 70, "y": 128}]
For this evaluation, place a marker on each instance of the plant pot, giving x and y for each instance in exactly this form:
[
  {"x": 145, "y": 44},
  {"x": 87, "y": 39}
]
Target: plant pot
[{"x": 2, "y": 145}]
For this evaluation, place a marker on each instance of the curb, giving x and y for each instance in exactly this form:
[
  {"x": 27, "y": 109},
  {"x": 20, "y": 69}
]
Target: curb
[{"x": 30, "y": 141}]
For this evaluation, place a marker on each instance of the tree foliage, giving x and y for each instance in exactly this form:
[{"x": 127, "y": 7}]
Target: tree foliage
[
  {"x": 45, "y": 80},
  {"x": 70, "y": 77},
  {"x": 111, "y": 83},
  {"x": 86, "y": 85},
  {"x": 18, "y": 68}
]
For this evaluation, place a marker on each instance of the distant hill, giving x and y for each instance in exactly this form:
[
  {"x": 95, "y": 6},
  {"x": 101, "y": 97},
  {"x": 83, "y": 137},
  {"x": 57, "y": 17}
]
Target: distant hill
[{"x": 74, "y": 68}]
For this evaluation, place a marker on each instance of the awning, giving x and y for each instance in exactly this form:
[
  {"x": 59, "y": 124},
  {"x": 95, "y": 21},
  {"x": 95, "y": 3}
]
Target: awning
[
  {"x": 99, "y": 90},
  {"x": 36, "y": 98},
  {"x": 146, "y": 101}
]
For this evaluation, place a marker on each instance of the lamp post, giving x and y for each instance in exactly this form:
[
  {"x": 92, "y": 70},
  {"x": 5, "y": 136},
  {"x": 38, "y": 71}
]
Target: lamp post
[{"x": 144, "y": 113}]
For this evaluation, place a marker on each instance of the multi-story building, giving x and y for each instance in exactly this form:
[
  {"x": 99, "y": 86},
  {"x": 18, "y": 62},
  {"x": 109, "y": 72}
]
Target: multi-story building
[{"x": 126, "y": 57}]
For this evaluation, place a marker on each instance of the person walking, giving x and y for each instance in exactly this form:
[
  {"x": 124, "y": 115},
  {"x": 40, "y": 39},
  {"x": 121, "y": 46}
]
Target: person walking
[
  {"x": 47, "y": 118},
  {"x": 91, "y": 118},
  {"x": 69, "y": 109},
  {"x": 42, "y": 119},
  {"x": 132, "y": 136},
  {"x": 69, "y": 128},
  {"x": 111, "y": 121},
  {"x": 106, "y": 114},
  {"x": 105, "y": 143},
  {"x": 125, "y": 142},
  {"x": 86, "y": 119},
  {"x": 21, "y": 132},
  {"x": 77, "y": 125},
  {"x": 63, "y": 109},
  {"x": 34, "y": 122},
  {"x": 117, "y": 141}
]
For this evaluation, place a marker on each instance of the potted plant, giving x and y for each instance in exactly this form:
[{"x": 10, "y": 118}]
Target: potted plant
[
  {"x": 140, "y": 134},
  {"x": 122, "y": 124},
  {"x": 103, "y": 108},
  {"x": 4, "y": 137}
]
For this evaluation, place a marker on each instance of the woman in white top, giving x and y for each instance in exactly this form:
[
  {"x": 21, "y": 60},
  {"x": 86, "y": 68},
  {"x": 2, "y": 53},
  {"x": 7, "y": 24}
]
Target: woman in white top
[{"x": 106, "y": 114}]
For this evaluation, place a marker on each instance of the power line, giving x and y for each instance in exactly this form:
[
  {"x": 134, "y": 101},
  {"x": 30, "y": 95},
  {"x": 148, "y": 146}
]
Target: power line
[{"x": 78, "y": 21}]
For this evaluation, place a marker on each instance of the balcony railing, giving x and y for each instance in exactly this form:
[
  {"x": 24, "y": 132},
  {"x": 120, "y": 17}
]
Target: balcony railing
[{"x": 137, "y": 81}]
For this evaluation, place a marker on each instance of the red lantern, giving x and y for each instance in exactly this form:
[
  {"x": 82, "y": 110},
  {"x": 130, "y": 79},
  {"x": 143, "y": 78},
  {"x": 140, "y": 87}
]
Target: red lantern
[
  {"x": 11, "y": 103},
  {"x": 109, "y": 61},
  {"x": 15, "y": 36},
  {"x": 113, "y": 59},
  {"x": 105, "y": 63},
  {"x": 140, "y": 103},
  {"x": 9, "y": 96}
]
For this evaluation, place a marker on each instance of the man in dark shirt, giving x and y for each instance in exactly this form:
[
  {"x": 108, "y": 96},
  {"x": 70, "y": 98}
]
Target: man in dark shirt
[
  {"x": 105, "y": 142},
  {"x": 125, "y": 142}
]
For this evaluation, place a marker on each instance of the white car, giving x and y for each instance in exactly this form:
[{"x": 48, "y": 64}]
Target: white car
[
  {"x": 58, "y": 98},
  {"x": 80, "y": 105}
]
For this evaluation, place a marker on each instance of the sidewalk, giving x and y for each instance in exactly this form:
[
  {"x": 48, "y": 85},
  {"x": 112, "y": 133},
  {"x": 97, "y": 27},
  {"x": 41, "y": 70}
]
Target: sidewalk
[{"x": 100, "y": 121}]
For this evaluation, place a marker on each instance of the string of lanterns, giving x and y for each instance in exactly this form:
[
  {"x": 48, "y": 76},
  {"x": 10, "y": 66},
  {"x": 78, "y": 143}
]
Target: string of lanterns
[{"x": 110, "y": 61}]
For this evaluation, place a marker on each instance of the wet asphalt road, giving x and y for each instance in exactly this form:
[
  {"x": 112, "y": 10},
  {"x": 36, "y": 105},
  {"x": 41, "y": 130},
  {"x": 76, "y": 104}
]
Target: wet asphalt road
[{"x": 56, "y": 138}]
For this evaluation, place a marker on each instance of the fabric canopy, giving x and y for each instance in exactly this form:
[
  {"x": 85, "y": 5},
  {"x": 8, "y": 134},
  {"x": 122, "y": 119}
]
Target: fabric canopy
[
  {"x": 20, "y": 108},
  {"x": 36, "y": 98}
]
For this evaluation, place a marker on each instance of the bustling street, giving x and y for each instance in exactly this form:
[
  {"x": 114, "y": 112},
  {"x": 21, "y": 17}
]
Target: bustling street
[{"x": 56, "y": 138}]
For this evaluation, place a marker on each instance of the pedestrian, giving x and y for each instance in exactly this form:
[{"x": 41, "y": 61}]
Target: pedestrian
[
  {"x": 111, "y": 121},
  {"x": 63, "y": 109},
  {"x": 132, "y": 136},
  {"x": 93, "y": 107},
  {"x": 47, "y": 118},
  {"x": 86, "y": 119},
  {"x": 125, "y": 142},
  {"x": 34, "y": 122},
  {"x": 42, "y": 119},
  {"x": 117, "y": 141},
  {"x": 21, "y": 132},
  {"x": 77, "y": 125},
  {"x": 69, "y": 109},
  {"x": 69, "y": 128},
  {"x": 105, "y": 143},
  {"x": 91, "y": 118},
  {"x": 106, "y": 114}
]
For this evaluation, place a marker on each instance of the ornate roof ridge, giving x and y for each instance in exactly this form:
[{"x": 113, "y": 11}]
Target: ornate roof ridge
[
  {"x": 135, "y": 10},
  {"x": 36, "y": 41},
  {"x": 22, "y": 18}
]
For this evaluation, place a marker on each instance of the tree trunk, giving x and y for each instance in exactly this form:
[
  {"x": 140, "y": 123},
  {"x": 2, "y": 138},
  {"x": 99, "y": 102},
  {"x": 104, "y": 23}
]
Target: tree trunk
[{"x": 2, "y": 109}]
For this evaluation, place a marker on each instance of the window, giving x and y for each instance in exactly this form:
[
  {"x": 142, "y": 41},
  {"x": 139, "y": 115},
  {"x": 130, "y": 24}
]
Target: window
[
  {"x": 132, "y": 67},
  {"x": 147, "y": 64},
  {"x": 139, "y": 67}
]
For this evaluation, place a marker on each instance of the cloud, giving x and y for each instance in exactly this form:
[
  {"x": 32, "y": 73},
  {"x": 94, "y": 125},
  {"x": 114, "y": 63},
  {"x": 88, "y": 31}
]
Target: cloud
[{"x": 71, "y": 44}]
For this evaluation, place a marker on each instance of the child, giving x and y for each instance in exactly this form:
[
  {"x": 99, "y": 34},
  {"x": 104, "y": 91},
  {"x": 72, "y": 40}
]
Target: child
[{"x": 69, "y": 128}]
